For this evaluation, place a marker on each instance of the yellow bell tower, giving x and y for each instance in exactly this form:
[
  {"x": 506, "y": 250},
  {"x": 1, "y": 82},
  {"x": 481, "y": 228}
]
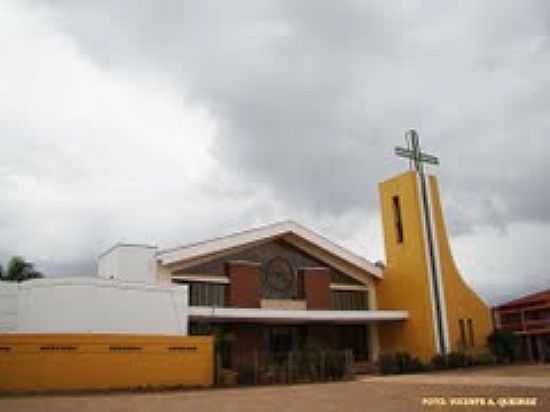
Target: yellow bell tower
[{"x": 420, "y": 276}]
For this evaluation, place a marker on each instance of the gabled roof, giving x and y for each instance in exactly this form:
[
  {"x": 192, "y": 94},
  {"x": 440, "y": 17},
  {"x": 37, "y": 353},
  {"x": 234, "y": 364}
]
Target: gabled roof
[
  {"x": 280, "y": 229},
  {"x": 532, "y": 299}
]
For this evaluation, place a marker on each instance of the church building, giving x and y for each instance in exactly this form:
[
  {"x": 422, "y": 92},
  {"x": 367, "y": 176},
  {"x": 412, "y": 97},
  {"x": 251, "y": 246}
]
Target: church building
[{"x": 284, "y": 287}]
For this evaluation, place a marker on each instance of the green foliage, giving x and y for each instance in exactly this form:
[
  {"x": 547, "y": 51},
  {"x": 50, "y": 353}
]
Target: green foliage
[
  {"x": 19, "y": 270},
  {"x": 388, "y": 364},
  {"x": 335, "y": 362},
  {"x": 484, "y": 358},
  {"x": 439, "y": 362},
  {"x": 400, "y": 362},
  {"x": 311, "y": 365},
  {"x": 452, "y": 360},
  {"x": 504, "y": 345},
  {"x": 459, "y": 359}
]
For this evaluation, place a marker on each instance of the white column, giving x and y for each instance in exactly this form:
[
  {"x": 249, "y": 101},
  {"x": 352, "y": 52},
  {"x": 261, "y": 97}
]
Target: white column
[
  {"x": 180, "y": 302},
  {"x": 374, "y": 342}
]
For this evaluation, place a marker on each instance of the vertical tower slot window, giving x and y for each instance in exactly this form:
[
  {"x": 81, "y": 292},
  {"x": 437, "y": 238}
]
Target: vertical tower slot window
[
  {"x": 397, "y": 219},
  {"x": 471, "y": 332},
  {"x": 462, "y": 333}
]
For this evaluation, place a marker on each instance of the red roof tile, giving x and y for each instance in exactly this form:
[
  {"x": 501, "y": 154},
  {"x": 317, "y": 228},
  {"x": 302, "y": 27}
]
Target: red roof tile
[{"x": 532, "y": 299}]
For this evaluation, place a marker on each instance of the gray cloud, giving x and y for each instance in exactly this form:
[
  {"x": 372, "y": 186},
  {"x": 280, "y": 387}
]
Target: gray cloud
[
  {"x": 314, "y": 95},
  {"x": 307, "y": 100}
]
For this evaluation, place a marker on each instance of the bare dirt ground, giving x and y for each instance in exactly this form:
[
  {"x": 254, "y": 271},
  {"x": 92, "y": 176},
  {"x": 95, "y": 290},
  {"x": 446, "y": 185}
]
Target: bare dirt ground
[{"x": 400, "y": 393}]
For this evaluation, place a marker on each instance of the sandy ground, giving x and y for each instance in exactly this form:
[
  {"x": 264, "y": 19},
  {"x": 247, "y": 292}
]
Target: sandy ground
[{"x": 400, "y": 393}]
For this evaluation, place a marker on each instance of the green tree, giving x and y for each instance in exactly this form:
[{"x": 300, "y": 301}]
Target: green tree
[
  {"x": 504, "y": 344},
  {"x": 19, "y": 270}
]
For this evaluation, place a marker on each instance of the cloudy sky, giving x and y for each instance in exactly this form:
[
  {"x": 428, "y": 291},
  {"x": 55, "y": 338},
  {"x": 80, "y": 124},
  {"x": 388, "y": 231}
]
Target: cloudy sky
[{"x": 166, "y": 122}]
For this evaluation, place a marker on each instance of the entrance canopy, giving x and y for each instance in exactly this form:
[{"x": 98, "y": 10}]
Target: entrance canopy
[{"x": 274, "y": 316}]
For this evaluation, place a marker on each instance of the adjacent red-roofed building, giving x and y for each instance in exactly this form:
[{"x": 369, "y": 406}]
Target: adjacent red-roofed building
[{"x": 528, "y": 317}]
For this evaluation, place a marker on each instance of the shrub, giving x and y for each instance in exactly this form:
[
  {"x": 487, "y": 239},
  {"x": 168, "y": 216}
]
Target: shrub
[
  {"x": 335, "y": 362},
  {"x": 408, "y": 363},
  {"x": 388, "y": 364},
  {"x": 452, "y": 360},
  {"x": 439, "y": 362},
  {"x": 504, "y": 345},
  {"x": 484, "y": 358},
  {"x": 456, "y": 360},
  {"x": 400, "y": 362}
]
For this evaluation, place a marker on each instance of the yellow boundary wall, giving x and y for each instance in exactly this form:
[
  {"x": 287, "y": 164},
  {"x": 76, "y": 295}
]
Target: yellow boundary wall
[{"x": 43, "y": 362}]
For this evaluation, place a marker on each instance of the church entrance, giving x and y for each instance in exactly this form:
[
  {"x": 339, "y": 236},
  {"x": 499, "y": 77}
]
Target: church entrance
[{"x": 356, "y": 339}]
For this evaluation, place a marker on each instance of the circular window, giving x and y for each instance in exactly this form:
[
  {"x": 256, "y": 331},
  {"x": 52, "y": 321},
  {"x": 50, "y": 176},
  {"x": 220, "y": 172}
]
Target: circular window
[{"x": 279, "y": 274}]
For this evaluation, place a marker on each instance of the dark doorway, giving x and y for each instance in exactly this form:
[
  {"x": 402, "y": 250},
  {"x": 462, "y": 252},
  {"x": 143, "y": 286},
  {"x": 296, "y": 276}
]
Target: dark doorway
[
  {"x": 545, "y": 356},
  {"x": 535, "y": 348}
]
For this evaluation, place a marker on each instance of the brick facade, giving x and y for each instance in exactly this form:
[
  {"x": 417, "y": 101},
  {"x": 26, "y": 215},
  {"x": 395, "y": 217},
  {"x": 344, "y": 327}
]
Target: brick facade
[
  {"x": 245, "y": 288},
  {"x": 316, "y": 288}
]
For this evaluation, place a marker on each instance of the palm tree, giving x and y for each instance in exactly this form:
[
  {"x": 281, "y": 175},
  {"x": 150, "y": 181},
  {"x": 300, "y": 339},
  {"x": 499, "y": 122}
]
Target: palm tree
[{"x": 19, "y": 270}]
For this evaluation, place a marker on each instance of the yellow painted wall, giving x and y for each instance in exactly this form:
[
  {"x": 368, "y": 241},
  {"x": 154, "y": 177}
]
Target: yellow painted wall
[
  {"x": 406, "y": 284},
  {"x": 38, "y": 362},
  {"x": 462, "y": 301}
]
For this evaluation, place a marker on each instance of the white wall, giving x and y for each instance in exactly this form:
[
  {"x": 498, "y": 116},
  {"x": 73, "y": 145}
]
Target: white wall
[
  {"x": 100, "y": 306},
  {"x": 129, "y": 263},
  {"x": 8, "y": 306}
]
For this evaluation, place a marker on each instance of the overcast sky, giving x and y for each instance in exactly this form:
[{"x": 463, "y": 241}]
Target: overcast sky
[{"x": 167, "y": 122}]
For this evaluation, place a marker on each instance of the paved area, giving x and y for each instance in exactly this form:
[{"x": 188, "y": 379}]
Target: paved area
[
  {"x": 525, "y": 376},
  {"x": 400, "y": 393}
]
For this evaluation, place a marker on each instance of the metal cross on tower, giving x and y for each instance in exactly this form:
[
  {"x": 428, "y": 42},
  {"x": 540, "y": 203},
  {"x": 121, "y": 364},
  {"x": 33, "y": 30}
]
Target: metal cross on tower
[
  {"x": 418, "y": 158},
  {"x": 414, "y": 154}
]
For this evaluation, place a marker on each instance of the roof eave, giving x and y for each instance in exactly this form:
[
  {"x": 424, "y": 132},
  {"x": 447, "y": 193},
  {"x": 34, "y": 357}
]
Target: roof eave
[{"x": 206, "y": 248}]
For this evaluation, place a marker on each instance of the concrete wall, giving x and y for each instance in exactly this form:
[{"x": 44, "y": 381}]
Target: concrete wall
[
  {"x": 75, "y": 362},
  {"x": 94, "y": 305},
  {"x": 129, "y": 263},
  {"x": 8, "y": 306}
]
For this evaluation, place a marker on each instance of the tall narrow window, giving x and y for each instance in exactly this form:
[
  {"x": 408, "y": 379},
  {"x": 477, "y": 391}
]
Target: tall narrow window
[
  {"x": 471, "y": 332},
  {"x": 462, "y": 333},
  {"x": 397, "y": 219}
]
